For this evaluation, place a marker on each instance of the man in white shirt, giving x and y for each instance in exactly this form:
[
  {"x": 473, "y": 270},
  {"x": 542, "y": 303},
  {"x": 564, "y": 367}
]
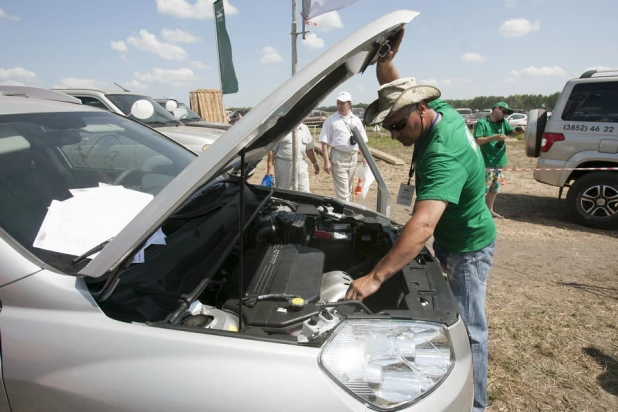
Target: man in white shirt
[
  {"x": 280, "y": 160},
  {"x": 339, "y": 147}
]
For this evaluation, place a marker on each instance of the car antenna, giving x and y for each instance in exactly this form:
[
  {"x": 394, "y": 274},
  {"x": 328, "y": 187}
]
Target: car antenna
[
  {"x": 241, "y": 248},
  {"x": 122, "y": 87}
]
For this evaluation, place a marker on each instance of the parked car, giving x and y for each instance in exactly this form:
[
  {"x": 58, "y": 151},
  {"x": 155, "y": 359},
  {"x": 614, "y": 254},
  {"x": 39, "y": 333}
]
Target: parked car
[
  {"x": 517, "y": 120},
  {"x": 465, "y": 112},
  {"x": 582, "y": 134},
  {"x": 475, "y": 117},
  {"x": 218, "y": 294},
  {"x": 316, "y": 118},
  {"x": 188, "y": 117},
  {"x": 195, "y": 139},
  {"x": 360, "y": 113},
  {"x": 238, "y": 114}
]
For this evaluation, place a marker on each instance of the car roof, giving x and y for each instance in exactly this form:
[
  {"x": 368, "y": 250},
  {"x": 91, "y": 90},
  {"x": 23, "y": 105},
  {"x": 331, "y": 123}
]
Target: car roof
[
  {"x": 20, "y": 105},
  {"x": 100, "y": 91}
]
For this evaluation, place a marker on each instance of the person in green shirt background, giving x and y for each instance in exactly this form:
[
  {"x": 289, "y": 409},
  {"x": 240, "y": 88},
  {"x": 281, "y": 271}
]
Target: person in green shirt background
[
  {"x": 490, "y": 134},
  {"x": 450, "y": 202}
]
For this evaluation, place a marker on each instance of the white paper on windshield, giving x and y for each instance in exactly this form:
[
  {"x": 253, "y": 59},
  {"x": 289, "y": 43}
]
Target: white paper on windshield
[
  {"x": 157, "y": 238},
  {"x": 90, "y": 217}
]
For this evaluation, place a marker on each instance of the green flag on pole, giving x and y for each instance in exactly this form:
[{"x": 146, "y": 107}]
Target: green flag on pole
[{"x": 229, "y": 83}]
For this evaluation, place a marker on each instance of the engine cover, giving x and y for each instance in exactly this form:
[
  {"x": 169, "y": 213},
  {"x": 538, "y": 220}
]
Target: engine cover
[{"x": 291, "y": 269}]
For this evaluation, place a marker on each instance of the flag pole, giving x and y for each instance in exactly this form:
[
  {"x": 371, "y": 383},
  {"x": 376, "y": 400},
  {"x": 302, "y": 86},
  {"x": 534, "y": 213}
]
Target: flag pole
[
  {"x": 294, "y": 70},
  {"x": 214, "y": 19}
]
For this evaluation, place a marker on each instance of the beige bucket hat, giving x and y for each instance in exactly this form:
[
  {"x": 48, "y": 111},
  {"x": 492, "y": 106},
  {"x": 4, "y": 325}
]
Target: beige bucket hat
[{"x": 395, "y": 95}]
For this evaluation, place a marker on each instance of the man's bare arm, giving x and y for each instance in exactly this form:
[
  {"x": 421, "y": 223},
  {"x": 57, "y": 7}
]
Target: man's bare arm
[
  {"x": 385, "y": 69},
  {"x": 413, "y": 237}
]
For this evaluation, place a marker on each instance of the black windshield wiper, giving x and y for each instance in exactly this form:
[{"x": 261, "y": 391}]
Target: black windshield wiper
[{"x": 92, "y": 251}]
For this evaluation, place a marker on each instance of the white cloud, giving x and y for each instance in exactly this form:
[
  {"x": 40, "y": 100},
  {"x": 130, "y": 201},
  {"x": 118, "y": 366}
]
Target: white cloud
[
  {"x": 17, "y": 73},
  {"x": 538, "y": 71},
  {"x": 518, "y": 27},
  {"x": 124, "y": 58},
  {"x": 199, "y": 65},
  {"x": 327, "y": 21},
  {"x": 177, "y": 77},
  {"x": 270, "y": 55},
  {"x": 199, "y": 9},
  {"x": 119, "y": 46},
  {"x": 510, "y": 3},
  {"x": 179, "y": 36},
  {"x": 312, "y": 41},
  {"x": 3, "y": 15},
  {"x": 598, "y": 68},
  {"x": 12, "y": 83},
  {"x": 465, "y": 80},
  {"x": 148, "y": 42},
  {"x": 75, "y": 83},
  {"x": 473, "y": 58},
  {"x": 509, "y": 80},
  {"x": 135, "y": 85},
  {"x": 435, "y": 83}
]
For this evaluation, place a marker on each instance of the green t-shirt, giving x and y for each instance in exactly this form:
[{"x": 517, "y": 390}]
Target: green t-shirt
[
  {"x": 449, "y": 167},
  {"x": 493, "y": 155}
]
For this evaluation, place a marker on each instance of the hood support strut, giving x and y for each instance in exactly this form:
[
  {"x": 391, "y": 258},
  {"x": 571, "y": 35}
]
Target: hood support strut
[{"x": 241, "y": 238}]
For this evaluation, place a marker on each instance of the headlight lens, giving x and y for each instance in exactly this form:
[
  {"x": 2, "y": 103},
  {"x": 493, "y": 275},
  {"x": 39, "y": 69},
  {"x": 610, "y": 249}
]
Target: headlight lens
[
  {"x": 388, "y": 363},
  {"x": 206, "y": 146}
]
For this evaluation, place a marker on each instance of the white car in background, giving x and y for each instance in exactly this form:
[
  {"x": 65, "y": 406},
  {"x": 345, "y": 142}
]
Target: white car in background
[
  {"x": 148, "y": 111},
  {"x": 518, "y": 120}
]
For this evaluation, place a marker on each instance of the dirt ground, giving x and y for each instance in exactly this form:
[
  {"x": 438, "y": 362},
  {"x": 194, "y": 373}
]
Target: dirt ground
[{"x": 552, "y": 300}]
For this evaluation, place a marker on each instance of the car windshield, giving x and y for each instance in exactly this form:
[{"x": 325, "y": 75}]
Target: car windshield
[
  {"x": 182, "y": 112},
  {"x": 160, "y": 117},
  {"x": 478, "y": 115},
  {"x": 50, "y": 160}
]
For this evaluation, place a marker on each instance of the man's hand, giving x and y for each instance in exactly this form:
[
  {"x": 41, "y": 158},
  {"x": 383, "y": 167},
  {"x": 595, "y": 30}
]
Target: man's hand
[
  {"x": 363, "y": 287},
  {"x": 327, "y": 167},
  {"x": 316, "y": 168},
  {"x": 500, "y": 137},
  {"x": 390, "y": 55}
]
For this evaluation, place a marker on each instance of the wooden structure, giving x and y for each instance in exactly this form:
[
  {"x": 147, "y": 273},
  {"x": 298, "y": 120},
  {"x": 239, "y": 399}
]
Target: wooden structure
[{"x": 208, "y": 104}]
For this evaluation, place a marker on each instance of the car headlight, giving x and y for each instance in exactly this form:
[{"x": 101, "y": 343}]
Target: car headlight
[
  {"x": 206, "y": 146},
  {"x": 388, "y": 363}
]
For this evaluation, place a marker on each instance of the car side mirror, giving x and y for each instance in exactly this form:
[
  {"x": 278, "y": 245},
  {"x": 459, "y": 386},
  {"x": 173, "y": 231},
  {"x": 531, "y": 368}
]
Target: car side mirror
[{"x": 142, "y": 109}]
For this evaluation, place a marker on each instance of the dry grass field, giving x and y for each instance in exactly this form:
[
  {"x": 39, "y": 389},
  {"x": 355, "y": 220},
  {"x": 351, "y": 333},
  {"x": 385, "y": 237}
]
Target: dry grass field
[{"x": 552, "y": 302}]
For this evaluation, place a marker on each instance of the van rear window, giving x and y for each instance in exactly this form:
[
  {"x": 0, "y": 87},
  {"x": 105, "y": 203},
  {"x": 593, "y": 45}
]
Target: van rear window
[{"x": 593, "y": 102}]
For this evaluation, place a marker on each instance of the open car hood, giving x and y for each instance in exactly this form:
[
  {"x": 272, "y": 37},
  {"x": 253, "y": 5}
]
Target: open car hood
[{"x": 259, "y": 130}]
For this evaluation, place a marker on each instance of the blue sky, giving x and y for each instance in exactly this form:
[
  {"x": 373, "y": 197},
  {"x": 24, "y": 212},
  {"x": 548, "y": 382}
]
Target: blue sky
[{"x": 167, "y": 47}]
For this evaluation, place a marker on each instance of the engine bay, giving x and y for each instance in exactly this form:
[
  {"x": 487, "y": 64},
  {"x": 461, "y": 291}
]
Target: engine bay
[{"x": 285, "y": 277}]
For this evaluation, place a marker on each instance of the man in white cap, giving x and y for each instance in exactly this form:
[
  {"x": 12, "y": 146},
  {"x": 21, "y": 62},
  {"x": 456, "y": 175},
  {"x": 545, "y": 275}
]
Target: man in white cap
[
  {"x": 450, "y": 202},
  {"x": 339, "y": 147},
  {"x": 280, "y": 160}
]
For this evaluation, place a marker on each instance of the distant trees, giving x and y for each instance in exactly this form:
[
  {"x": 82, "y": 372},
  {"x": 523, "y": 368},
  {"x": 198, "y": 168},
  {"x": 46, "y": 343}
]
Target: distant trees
[
  {"x": 522, "y": 102},
  {"x": 518, "y": 101}
]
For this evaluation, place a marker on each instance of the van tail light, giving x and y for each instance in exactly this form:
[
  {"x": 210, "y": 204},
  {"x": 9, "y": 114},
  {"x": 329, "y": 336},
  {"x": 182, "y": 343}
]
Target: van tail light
[{"x": 549, "y": 139}]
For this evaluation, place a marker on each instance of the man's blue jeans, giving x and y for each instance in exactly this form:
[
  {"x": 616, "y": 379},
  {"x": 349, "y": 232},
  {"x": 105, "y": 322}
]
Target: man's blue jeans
[{"x": 467, "y": 273}]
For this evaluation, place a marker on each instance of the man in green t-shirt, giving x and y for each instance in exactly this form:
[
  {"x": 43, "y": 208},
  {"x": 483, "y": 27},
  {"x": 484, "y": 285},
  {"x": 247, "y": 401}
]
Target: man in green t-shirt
[
  {"x": 490, "y": 134},
  {"x": 450, "y": 202}
]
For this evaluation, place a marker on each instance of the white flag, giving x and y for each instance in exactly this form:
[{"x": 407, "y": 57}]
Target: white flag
[{"x": 314, "y": 8}]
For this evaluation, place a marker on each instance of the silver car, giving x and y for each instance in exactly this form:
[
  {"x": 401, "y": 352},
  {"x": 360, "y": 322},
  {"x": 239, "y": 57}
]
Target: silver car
[
  {"x": 194, "y": 139},
  {"x": 153, "y": 283},
  {"x": 577, "y": 147}
]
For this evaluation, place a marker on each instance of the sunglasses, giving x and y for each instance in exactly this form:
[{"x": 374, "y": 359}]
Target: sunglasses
[
  {"x": 503, "y": 110},
  {"x": 400, "y": 125}
]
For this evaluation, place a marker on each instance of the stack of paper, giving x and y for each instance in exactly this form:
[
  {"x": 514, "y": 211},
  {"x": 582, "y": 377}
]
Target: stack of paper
[{"x": 90, "y": 217}]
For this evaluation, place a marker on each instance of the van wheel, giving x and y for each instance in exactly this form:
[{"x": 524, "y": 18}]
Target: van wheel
[{"x": 593, "y": 200}]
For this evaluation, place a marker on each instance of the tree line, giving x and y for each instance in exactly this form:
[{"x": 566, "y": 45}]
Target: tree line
[{"x": 522, "y": 102}]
